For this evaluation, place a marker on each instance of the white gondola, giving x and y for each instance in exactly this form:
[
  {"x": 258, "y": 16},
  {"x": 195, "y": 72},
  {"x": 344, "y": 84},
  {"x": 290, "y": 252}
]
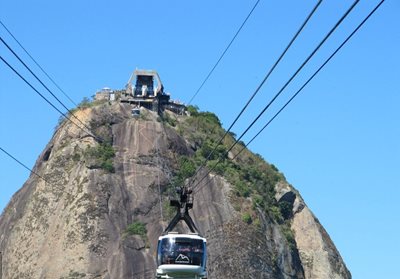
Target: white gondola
[
  {"x": 182, "y": 255},
  {"x": 135, "y": 112}
]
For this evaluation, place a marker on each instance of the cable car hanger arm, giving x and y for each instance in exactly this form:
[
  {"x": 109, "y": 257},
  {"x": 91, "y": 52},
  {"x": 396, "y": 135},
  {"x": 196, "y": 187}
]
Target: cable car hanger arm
[{"x": 182, "y": 211}]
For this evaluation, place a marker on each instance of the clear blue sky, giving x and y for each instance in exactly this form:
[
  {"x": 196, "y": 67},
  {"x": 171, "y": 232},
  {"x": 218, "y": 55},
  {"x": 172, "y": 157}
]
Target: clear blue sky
[{"x": 338, "y": 143}]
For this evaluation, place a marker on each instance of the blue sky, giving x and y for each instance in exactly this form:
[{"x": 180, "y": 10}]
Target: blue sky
[{"x": 338, "y": 143}]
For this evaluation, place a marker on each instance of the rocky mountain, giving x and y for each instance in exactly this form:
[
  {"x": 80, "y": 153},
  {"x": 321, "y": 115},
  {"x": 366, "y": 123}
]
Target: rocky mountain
[{"x": 99, "y": 207}]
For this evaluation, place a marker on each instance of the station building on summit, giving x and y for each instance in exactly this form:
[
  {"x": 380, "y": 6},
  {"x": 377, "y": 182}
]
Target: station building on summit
[{"x": 143, "y": 90}]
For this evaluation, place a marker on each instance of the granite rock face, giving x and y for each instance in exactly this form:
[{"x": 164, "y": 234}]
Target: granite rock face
[{"x": 73, "y": 223}]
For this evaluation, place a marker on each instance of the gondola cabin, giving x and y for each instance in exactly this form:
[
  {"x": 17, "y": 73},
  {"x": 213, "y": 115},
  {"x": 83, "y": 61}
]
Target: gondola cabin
[
  {"x": 135, "y": 112},
  {"x": 181, "y": 256}
]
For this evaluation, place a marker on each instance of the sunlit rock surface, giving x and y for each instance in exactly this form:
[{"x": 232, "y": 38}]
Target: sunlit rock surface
[{"x": 73, "y": 224}]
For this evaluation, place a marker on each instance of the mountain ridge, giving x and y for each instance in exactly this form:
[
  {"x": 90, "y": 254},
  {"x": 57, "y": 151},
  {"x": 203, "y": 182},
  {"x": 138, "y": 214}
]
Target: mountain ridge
[{"x": 74, "y": 225}]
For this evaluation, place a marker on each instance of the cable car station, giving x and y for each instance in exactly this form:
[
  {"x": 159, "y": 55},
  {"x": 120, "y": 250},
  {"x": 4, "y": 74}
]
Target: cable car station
[{"x": 144, "y": 89}]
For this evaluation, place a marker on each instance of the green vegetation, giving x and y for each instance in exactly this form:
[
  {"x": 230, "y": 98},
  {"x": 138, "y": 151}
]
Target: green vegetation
[
  {"x": 88, "y": 103},
  {"x": 257, "y": 223},
  {"x": 60, "y": 121},
  {"x": 201, "y": 126},
  {"x": 246, "y": 217},
  {"x": 242, "y": 189},
  {"x": 236, "y": 207},
  {"x": 286, "y": 209},
  {"x": 102, "y": 155},
  {"x": 257, "y": 181},
  {"x": 85, "y": 103},
  {"x": 252, "y": 178},
  {"x": 144, "y": 115},
  {"x": 137, "y": 228},
  {"x": 187, "y": 168},
  {"x": 168, "y": 119},
  {"x": 76, "y": 157},
  {"x": 168, "y": 211},
  {"x": 275, "y": 213},
  {"x": 193, "y": 110},
  {"x": 288, "y": 234}
]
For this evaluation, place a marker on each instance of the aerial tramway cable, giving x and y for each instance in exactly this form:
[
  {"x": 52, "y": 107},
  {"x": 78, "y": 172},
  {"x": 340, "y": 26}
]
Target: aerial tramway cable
[
  {"x": 312, "y": 76},
  {"x": 285, "y": 85},
  {"x": 37, "y": 64},
  {"x": 31, "y": 171},
  {"x": 274, "y": 117},
  {"x": 181, "y": 254},
  {"x": 158, "y": 175},
  {"x": 299, "y": 90},
  {"x": 262, "y": 83},
  {"x": 47, "y": 101},
  {"x": 41, "y": 82},
  {"x": 23, "y": 165},
  {"x": 223, "y": 53}
]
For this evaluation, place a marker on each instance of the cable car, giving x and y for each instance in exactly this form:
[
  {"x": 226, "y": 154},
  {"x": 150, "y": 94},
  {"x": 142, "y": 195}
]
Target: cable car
[
  {"x": 182, "y": 255},
  {"x": 135, "y": 112}
]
